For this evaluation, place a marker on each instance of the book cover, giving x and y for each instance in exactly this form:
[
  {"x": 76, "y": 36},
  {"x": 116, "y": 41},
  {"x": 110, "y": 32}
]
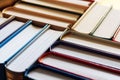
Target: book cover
[
  {"x": 77, "y": 68},
  {"x": 48, "y": 12},
  {"x": 39, "y": 71},
  {"x": 83, "y": 56},
  {"x": 8, "y": 51},
  {"x": 78, "y": 7},
  {"x": 7, "y": 34},
  {"x": 109, "y": 25},
  {"x": 93, "y": 18},
  {"x": 101, "y": 46},
  {"x": 32, "y": 50},
  {"x": 36, "y": 17}
]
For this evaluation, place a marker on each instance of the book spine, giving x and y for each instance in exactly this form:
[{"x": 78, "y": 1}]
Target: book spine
[
  {"x": 10, "y": 19},
  {"x": 15, "y": 33}
]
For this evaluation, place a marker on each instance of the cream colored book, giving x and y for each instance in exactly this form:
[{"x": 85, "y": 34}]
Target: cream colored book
[
  {"x": 72, "y": 66},
  {"x": 117, "y": 35},
  {"x": 77, "y": 5},
  {"x": 36, "y": 17},
  {"x": 29, "y": 55},
  {"x": 92, "y": 19},
  {"x": 2, "y": 20},
  {"x": 96, "y": 44},
  {"x": 49, "y": 13},
  {"x": 109, "y": 25}
]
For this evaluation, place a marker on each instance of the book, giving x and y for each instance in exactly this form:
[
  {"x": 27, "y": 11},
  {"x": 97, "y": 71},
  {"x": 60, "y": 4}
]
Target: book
[
  {"x": 9, "y": 32},
  {"x": 78, "y": 6},
  {"x": 77, "y": 68},
  {"x": 101, "y": 46},
  {"x": 29, "y": 53},
  {"x": 5, "y": 3},
  {"x": 88, "y": 57},
  {"x": 93, "y": 18},
  {"x": 39, "y": 71},
  {"x": 36, "y": 17},
  {"x": 116, "y": 36},
  {"x": 109, "y": 25},
  {"x": 5, "y": 21},
  {"x": 49, "y": 13},
  {"x": 8, "y": 51}
]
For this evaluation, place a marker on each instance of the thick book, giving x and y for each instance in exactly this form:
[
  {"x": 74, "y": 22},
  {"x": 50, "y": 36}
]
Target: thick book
[
  {"x": 2, "y": 20},
  {"x": 22, "y": 15},
  {"x": 11, "y": 30},
  {"x": 116, "y": 36},
  {"x": 101, "y": 46},
  {"x": 8, "y": 51},
  {"x": 39, "y": 71},
  {"x": 92, "y": 19},
  {"x": 109, "y": 25},
  {"x": 48, "y": 12},
  {"x": 88, "y": 57},
  {"x": 29, "y": 53},
  {"x": 78, "y": 6},
  {"x": 80, "y": 69}
]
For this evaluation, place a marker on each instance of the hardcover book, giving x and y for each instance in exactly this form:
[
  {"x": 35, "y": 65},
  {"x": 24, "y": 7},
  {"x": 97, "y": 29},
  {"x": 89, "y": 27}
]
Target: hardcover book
[
  {"x": 83, "y": 56},
  {"x": 29, "y": 53},
  {"x": 80, "y": 69},
  {"x": 10, "y": 49},
  {"x": 93, "y": 17},
  {"x": 101, "y": 46}
]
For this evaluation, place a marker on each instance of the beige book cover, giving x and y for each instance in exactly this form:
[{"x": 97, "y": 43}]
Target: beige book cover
[
  {"x": 52, "y": 4},
  {"x": 49, "y": 13},
  {"x": 36, "y": 17},
  {"x": 109, "y": 25},
  {"x": 92, "y": 19}
]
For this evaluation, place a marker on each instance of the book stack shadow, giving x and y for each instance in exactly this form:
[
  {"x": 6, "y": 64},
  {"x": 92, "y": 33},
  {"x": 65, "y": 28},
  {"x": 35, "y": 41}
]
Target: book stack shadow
[{"x": 59, "y": 40}]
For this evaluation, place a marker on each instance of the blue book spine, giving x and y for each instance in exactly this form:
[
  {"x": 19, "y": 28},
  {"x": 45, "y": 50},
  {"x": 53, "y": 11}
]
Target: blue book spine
[{"x": 15, "y": 33}]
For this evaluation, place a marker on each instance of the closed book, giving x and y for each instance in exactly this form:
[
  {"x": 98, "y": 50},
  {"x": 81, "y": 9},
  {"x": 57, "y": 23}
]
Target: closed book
[
  {"x": 92, "y": 19},
  {"x": 88, "y": 57},
  {"x": 6, "y": 3},
  {"x": 116, "y": 36},
  {"x": 78, "y": 6},
  {"x": 22, "y": 15},
  {"x": 8, "y": 51},
  {"x": 5, "y": 21},
  {"x": 29, "y": 53},
  {"x": 101, "y": 46},
  {"x": 48, "y": 12},
  {"x": 11, "y": 30},
  {"x": 109, "y": 25},
  {"x": 39, "y": 71},
  {"x": 80, "y": 69}
]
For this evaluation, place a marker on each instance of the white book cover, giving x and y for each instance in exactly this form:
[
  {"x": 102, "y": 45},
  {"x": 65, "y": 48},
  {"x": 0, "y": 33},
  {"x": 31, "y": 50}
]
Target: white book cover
[
  {"x": 2, "y": 20},
  {"x": 9, "y": 49},
  {"x": 9, "y": 29},
  {"x": 29, "y": 55},
  {"x": 94, "y": 43},
  {"x": 92, "y": 19},
  {"x": 86, "y": 55},
  {"x": 109, "y": 25},
  {"x": 78, "y": 68},
  {"x": 42, "y": 74}
]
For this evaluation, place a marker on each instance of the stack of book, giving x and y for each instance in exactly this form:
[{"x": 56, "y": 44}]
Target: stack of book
[{"x": 59, "y": 40}]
